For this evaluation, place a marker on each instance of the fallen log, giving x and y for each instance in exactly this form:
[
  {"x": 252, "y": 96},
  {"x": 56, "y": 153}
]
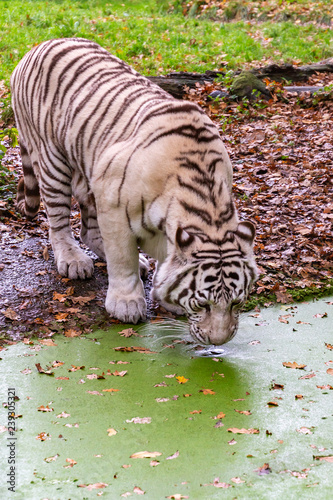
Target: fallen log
[{"x": 175, "y": 82}]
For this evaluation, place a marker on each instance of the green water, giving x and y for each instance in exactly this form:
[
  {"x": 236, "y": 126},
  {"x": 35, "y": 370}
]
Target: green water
[{"x": 200, "y": 446}]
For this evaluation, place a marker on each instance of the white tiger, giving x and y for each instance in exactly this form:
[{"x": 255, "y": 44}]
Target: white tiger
[{"x": 148, "y": 171}]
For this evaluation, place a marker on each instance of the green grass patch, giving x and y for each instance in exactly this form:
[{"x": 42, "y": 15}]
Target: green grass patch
[{"x": 151, "y": 38}]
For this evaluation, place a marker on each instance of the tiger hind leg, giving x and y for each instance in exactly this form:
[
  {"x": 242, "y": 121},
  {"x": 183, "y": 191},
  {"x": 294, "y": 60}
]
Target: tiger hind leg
[
  {"x": 56, "y": 190},
  {"x": 90, "y": 233},
  {"x": 28, "y": 197}
]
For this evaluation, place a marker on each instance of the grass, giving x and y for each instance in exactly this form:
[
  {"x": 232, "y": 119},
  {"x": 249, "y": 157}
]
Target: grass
[{"x": 154, "y": 39}]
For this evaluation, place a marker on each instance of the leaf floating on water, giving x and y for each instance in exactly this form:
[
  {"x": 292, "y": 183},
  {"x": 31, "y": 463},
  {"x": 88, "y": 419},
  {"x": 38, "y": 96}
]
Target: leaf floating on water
[
  {"x": 138, "y": 490},
  {"x": 154, "y": 463},
  {"x": 71, "y": 463},
  {"x": 304, "y": 430},
  {"x": 235, "y": 430},
  {"x": 178, "y": 496},
  {"x": 128, "y": 332},
  {"x": 237, "y": 480},
  {"x": 51, "y": 459},
  {"x": 76, "y": 368},
  {"x": 44, "y": 408},
  {"x": 245, "y": 412},
  {"x": 182, "y": 380},
  {"x": 232, "y": 442},
  {"x": 140, "y": 349},
  {"x": 329, "y": 346},
  {"x": 293, "y": 365},
  {"x": 329, "y": 371},
  {"x": 265, "y": 469},
  {"x": 175, "y": 455},
  {"x": 96, "y": 393},
  {"x": 138, "y": 420},
  {"x": 111, "y": 432},
  {"x": 324, "y": 459},
  {"x": 207, "y": 391},
  {"x": 95, "y": 486},
  {"x": 104, "y": 390},
  {"x": 146, "y": 454},
  {"x": 217, "y": 484},
  {"x": 41, "y": 370}
]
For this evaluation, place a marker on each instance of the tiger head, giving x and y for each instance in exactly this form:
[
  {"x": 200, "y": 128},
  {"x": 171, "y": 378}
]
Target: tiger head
[{"x": 209, "y": 281}]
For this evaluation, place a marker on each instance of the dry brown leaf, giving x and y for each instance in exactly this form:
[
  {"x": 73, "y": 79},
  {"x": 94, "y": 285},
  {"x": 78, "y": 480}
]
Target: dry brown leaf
[
  {"x": 324, "y": 459},
  {"x": 41, "y": 370},
  {"x": 207, "y": 391},
  {"x": 235, "y": 430},
  {"x": 47, "y": 342},
  {"x": 128, "y": 332},
  {"x": 44, "y": 408},
  {"x": 146, "y": 454},
  {"x": 140, "y": 349},
  {"x": 293, "y": 365},
  {"x": 194, "y": 412},
  {"x": 10, "y": 314},
  {"x": 245, "y": 412},
  {"x": 95, "y": 486},
  {"x": 110, "y": 390},
  {"x": 111, "y": 432},
  {"x": 329, "y": 371}
]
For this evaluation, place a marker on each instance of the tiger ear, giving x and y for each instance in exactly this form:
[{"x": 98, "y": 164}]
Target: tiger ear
[
  {"x": 183, "y": 238},
  {"x": 246, "y": 231}
]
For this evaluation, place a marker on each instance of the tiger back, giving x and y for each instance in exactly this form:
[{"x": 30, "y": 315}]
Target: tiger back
[{"x": 148, "y": 171}]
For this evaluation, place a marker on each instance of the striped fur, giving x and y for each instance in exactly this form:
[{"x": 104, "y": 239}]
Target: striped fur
[{"x": 147, "y": 171}]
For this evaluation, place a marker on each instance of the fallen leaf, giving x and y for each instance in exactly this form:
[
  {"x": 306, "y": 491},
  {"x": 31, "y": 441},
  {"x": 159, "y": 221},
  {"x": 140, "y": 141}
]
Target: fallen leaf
[
  {"x": 63, "y": 415},
  {"x": 51, "y": 459},
  {"x": 177, "y": 496},
  {"x": 182, "y": 380},
  {"x": 43, "y": 436},
  {"x": 118, "y": 374},
  {"x": 76, "y": 368},
  {"x": 330, "y": 387},
  {"x": 170, "y": 376},
  {"x": 207, "y": 391},
  {"x": 304, "y": 430},
  {"x": 56, "y": 364},
  {"x": 140, "y": 349},
  {"x": 138, "y": 420},
  {"x": 318, "y": 315},
  {"x": 146, "y": 454},
  {"x": 246, "y": 412},
  {"x": 138, "y": 490},
  {"x": 128, "y": 332},
  {"x": 272, "y": 403},
  {"x": 10, "y": 314},
  {"x": 84, "y": 300},
  {"x": 329, "y": 371},
  {"x": 329, "y": 346},
  {"x": 275, "y": 386},
  {"x": 195, "y": 411},
  {"x": 162, "y": 400},
  {"x": 111, "y": 432},
  {"x": 72, "y": 332},
  {"x": 324, "y": 459},
  {"x": 265, "y": 469},
  {"x": 62, "y": 378},
  {"x": 232, "y": 442},
  {"x": 47, "y": 342},
  {"x": 41, "y": 370},
  {"x": 109, "y": 390},
  {"x": 217, "y": 484},
  {"x": 96, "y": 393},
  {"x": 26, "y": 371},
  {"x": 298, "y": 396},
  {"x": 71, "y": 463},
  {"x": 154, "y": 463},
  {"x": 309, "y": 375},
  {"x": 44, "y": 408},
  {"x": 235, "y": 430},
  {"x": 171, "y": 457},
  {"x": 95, "y": 486},
  {"x": 237, "y": 480},
  {"x": 293, "y": 365}
]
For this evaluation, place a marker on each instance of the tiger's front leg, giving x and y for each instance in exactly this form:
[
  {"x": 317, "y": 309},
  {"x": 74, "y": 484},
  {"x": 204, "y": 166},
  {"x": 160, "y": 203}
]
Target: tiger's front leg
[{"x": 125, "y": 298}]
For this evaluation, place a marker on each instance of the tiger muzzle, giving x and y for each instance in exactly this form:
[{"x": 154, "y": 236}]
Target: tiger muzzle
[{"x": 217, "y": 328}]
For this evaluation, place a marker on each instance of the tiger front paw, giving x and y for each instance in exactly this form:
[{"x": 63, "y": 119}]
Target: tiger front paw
[
  {"x": 75, "y": 265},
  {"x": 128, "y": 310}
]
